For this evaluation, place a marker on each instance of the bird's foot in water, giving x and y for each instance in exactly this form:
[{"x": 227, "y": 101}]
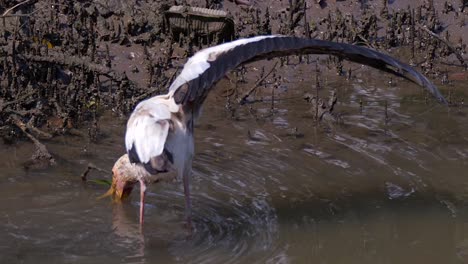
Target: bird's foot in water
[{"x": 188, "y": 225}]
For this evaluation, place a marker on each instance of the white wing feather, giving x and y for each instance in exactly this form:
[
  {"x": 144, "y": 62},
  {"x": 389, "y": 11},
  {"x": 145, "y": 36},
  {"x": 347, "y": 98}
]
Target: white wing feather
[
  {"x": 199, "y": 62},
  {"x": 147, "y": 129}
]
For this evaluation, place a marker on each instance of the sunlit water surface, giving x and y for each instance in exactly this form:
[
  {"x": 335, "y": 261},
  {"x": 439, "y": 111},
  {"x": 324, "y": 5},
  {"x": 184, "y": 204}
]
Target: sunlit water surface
[{"x": 267, "y": 188}]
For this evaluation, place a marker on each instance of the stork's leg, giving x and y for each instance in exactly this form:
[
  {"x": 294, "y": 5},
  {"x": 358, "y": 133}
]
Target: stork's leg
[
  {"x": 188, "y": 202},
  {"x": 142, "y": 201}
]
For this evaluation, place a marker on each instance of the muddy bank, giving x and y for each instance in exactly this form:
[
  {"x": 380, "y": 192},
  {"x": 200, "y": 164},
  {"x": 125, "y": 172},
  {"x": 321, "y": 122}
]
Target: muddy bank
[{"x": 64, "y": 63}]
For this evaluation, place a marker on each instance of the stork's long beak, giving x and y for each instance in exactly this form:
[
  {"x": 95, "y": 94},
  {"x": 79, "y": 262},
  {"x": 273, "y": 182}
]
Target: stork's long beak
[{"x": 120, "y": 189}]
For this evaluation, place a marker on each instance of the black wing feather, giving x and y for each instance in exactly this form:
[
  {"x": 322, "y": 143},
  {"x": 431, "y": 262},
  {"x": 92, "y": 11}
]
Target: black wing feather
[{"x": 278, "y": 46}]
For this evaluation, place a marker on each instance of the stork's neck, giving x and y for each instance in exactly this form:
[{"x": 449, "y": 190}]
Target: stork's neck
[{"x": 168, "y": 100}]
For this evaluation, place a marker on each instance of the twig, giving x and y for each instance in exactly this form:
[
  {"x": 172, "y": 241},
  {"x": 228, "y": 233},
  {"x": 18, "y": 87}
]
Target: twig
[
  {"x": 91, "y": 166},
  {"x": 317, "y": 86},
  {"x": 451, "y": 48},
  {"x": 70, "y": 62},
  {"x": 13, "y": 7},
  {"x": 248, "y": 93},
  {"x": 37, "y": 131},
  {"x": 41, "y": 151},
  {"x": 4, "y": 105},
  {"x": 73, "y": 62}
]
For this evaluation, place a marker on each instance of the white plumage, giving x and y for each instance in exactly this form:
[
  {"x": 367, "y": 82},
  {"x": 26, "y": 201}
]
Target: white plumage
[
  {"x": 199, "y": 62},
  {"x": 148, "y": 127}
]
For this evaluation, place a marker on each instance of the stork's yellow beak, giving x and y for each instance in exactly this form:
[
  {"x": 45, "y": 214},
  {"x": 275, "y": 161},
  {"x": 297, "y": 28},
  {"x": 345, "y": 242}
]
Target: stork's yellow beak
[
  {"x": 119, "y": 189},
  {"x": 110, "y": 192}
]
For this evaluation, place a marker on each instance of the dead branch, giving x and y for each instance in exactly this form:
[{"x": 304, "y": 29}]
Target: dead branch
[
  {"x": 74, "y": 62},
  {"x": 41, "y": 154},
  {"x": 13, "y": 7},
  {"x": 248, "y": 93},
  {"x": 91, "y": 166},
  {"x": 70, "y": 62},
  {"x": 36, "y": 130},
  {"x": 4, "y": 105},
  {"x": 451, "y": 48}
]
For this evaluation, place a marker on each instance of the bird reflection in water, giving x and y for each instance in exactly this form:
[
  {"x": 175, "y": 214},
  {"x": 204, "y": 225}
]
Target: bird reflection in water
[{"x": 127, "y": 230}]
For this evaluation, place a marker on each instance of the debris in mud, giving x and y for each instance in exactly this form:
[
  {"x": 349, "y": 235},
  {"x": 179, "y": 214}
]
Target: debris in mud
[
  {"x": 323, "y": 110},
  {"x": 201, "y": 24},
  {"x": 293, "y": 133},
  {"x": 397, "y": 192}
]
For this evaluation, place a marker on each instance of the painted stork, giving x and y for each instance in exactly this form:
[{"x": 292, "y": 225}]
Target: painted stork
[{"x": 159, "y": 134}]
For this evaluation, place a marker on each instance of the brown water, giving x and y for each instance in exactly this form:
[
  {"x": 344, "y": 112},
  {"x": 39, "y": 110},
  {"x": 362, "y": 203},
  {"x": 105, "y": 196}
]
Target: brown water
[{"x": 366, "y": 191}]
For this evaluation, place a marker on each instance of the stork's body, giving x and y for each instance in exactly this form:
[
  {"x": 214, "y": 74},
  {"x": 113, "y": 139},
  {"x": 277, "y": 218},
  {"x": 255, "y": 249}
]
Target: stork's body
[
  {"x": 159, "y": 133},
  {"x": 162, "y": 118}
]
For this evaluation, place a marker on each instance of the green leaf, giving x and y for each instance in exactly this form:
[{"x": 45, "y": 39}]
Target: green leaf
[{"x": 102, "y": 182}]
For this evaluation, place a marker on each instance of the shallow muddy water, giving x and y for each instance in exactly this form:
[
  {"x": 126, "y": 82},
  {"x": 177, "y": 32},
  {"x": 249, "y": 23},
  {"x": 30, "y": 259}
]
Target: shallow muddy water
[{"x": 367, "y": 191}]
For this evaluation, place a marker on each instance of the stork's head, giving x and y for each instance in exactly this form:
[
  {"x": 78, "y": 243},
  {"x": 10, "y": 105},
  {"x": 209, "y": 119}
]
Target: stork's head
[{"x": 123, "y": 179}]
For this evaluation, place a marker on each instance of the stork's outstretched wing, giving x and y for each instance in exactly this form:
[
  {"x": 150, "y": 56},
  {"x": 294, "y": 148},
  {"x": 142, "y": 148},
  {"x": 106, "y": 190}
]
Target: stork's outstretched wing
[{"x": 207, "y": 66}]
